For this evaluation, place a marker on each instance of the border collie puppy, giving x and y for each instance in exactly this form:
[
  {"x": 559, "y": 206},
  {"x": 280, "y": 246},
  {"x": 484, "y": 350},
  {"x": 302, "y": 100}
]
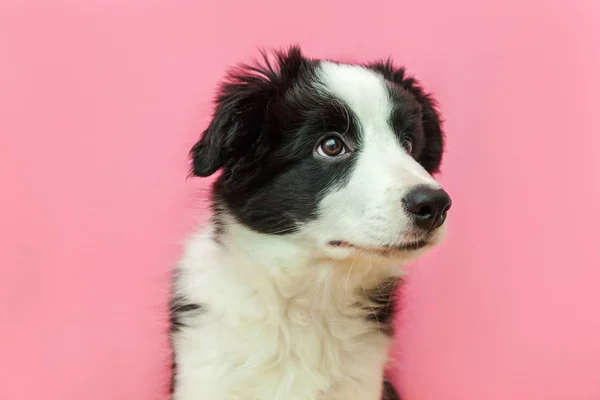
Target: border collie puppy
[{"x": 325, "y": 190}]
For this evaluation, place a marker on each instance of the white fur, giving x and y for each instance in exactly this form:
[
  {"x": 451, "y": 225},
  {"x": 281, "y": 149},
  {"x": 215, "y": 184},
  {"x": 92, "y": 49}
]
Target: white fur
[{"x": 281, "y": 321}]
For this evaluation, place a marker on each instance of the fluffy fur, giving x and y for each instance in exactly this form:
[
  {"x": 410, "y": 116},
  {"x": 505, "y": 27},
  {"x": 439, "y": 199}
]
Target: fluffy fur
[{"x": 325, "y": 189}]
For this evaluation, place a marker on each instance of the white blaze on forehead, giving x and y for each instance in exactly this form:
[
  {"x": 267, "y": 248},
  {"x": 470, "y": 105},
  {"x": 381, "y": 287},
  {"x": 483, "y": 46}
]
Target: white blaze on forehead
[{"x": 361, "y": 89}]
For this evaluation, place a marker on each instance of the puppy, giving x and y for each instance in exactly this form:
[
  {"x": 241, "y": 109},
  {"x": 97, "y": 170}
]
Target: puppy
[{"x": 325, "y": 190}]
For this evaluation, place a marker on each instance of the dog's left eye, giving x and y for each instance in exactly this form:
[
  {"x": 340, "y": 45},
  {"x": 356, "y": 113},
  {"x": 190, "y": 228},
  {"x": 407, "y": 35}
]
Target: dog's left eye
[{"x": 331, "y": 146}]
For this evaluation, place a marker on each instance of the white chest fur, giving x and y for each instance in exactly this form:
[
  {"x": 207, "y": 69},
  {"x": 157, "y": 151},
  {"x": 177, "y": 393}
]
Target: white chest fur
[{"x": 270, "y": 332}]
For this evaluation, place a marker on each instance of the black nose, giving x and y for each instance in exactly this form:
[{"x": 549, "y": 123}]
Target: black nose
[{"x": 427, "y": 206}]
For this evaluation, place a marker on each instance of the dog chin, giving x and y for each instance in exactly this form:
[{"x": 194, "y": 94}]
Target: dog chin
[
  {"x": 374, "y": 255},
  {"x": 404, "y": 251}
]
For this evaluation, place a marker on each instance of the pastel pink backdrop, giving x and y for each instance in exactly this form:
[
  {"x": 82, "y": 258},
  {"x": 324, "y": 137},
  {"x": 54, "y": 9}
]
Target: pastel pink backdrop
[{"x": 100, "y": 101}]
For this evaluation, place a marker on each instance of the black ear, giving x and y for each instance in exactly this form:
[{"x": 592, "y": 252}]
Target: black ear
[
  {"x": 431, "y": 156},
  {"x": 241, "y": 110}
]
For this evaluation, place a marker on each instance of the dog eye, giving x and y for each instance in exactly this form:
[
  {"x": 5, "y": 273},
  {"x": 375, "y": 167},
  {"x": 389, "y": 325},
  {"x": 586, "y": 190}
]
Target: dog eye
[
  {"x": 331, "y": 146},
  {"x": 407, "y": 145}
]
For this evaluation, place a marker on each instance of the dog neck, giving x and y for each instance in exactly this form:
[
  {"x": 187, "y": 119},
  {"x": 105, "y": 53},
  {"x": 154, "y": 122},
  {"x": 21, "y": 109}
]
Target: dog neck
[{"x": 294, "y": 265}]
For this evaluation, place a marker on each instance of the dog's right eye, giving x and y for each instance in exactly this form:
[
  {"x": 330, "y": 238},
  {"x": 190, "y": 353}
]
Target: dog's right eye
[{"x": 331, "y": 146}]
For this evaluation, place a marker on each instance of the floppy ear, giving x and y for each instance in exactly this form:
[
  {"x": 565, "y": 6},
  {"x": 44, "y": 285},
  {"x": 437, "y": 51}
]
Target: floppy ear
[
  {"x": 237, "y": 119},
  {"x": 241, "y": 110},
  {"x": 431, "y": 156}
]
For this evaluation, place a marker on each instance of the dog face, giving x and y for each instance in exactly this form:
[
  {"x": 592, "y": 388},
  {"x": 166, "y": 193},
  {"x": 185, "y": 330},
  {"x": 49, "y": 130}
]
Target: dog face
[{"x": 340, "y": 155}]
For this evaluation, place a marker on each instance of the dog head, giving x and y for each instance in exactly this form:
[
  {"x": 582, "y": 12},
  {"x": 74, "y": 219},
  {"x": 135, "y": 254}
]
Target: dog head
[{"x": 338, "y": 154}]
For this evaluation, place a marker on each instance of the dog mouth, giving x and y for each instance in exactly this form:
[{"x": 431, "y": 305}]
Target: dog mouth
[{"x": 385, "y": 249}]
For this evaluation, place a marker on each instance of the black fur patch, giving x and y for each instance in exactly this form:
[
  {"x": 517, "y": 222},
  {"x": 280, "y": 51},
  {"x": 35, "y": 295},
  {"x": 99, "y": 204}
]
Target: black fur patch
[
  {"x": 173, "y": 376},
  {"x": 267, "y": 122},
  {"x": 381, "y": 305},
  {"x": 389, "y": 393},
  {"x": 178, "y": 308},
  {"x": 427, "y": 150}
]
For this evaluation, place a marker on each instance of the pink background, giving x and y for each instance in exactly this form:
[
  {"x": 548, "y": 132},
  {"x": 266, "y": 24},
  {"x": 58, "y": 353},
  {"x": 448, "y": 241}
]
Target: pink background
[{"x": 100, "y": 101}]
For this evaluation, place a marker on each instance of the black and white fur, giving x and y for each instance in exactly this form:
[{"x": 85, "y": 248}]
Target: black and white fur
[{"x": 288, "y": 293}]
